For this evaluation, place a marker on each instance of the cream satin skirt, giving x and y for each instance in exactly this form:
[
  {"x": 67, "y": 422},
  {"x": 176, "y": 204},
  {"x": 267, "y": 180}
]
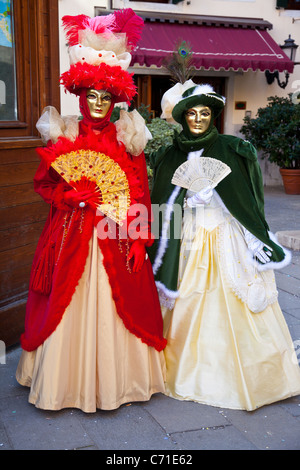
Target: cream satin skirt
[
  {"x": 220, "y": 353},
  {"x": 91, "y": 360}
]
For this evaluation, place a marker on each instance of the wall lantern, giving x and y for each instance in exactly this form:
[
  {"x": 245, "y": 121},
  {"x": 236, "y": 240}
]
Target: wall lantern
[{"x": 290, "y": 48}]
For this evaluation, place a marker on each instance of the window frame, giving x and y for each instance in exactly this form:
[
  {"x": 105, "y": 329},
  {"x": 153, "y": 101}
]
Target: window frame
[
  {"x": 292, "y": 5},
  {"x": 150, "y": 1},
  {"x": 288, "y": 4},
  {"x": 30, "y": 62},
  {"x": 21, "y": 126}
]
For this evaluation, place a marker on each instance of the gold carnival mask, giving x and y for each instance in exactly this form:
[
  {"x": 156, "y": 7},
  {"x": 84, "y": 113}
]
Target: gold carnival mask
[
  {"x": 99, "y": 102},
  {"x": 198, "y": 119}
]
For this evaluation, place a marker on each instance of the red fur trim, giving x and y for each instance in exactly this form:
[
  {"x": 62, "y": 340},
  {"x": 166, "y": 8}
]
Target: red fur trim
[
  {"x": 45, "y": 313},
  {"x": 58, "y": 197},
  {"x": 135, "y": 297},
  {"x": 102, "y": 77}
]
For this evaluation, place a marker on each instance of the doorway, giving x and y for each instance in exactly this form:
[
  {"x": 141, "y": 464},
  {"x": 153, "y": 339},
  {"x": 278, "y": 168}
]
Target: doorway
[{"x": 152, "y": 87}]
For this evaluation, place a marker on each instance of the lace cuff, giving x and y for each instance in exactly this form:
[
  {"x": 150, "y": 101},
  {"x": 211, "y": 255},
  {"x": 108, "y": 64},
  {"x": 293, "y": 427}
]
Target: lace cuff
[
  {"x": 52, "y": 125},
  {"x": 132, "y": 131}
]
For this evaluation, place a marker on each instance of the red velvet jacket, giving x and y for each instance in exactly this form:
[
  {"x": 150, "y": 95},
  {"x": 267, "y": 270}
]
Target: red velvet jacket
[{"x": 62, "y": 251}]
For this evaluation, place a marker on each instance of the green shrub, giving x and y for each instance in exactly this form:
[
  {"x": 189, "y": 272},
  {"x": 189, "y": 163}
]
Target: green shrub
[
  {"x": 276, "y": 131},
  {"x": 162, "y": 134},
  {"x": 161, "y": 131}
]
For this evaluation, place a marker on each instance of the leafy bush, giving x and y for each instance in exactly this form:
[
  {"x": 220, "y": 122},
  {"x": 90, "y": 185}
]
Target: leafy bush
[
  {"x": 276, "y": 131},
  {"x": 143, "y": 110},
  {"x": 162, "y": 134}
]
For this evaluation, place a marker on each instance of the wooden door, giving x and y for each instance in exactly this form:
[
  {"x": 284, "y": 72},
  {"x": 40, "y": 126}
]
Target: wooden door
[{"x": 29, "y": 81}]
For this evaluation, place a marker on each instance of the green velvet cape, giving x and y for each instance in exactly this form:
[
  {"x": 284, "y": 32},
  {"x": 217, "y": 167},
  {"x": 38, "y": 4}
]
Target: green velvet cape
[{"x": 241, "y": 192}]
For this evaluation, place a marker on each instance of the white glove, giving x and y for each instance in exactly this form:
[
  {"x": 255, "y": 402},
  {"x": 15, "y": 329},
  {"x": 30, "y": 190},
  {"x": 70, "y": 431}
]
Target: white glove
[
  {"x": 259, "y": 250},
  {"x": 202, "y": 197}
]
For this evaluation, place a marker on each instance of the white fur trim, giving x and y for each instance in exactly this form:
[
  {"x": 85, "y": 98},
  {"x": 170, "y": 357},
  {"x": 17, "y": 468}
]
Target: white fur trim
[
  {"x": 195, "y": 154},
  {"x": 203, "y": 89},
  {"x": 207, "y": 90},
  {"x": 273, "y": 264},
  {"x": 171, "y": 294},
  {"x": 163, "y": 239},
  {"x": 167, "y": 297}
]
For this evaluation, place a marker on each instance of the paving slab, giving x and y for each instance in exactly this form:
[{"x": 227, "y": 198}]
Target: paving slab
[
  {"x": 288, "y": 283},
  {"x": 29, "y": 428},
  {"x": 289, "y": 302},
  {"x": 282, "y": 210},
  {"x": 271, "y": 427},
  {"x": 220, "y": 438},
  {"x": 290, "y": 239},
  {"x": 130, "y": 427},
  {"x": 179, "y": 416}
]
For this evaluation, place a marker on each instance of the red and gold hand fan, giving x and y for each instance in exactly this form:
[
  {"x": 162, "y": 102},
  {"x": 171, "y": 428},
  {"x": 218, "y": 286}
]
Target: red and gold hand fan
[{"x": 88, "y": 169}]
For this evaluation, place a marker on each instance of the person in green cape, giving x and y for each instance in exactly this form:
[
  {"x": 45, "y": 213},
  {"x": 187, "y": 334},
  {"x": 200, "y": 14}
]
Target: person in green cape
[{"x": 228, "y": 344}]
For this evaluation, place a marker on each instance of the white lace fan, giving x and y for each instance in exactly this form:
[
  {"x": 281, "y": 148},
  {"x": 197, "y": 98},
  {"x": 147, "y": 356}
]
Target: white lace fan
[{"x": 200, "y": 172}]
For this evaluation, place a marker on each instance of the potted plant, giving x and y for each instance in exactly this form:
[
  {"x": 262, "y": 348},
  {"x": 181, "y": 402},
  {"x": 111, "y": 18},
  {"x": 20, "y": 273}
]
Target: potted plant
[{"x": 276, "y": 131}]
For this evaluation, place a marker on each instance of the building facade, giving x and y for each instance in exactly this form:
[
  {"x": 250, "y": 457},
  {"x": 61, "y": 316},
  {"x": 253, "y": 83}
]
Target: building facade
[
  {"x": 234, "y": 41},
  {"x": 241, "y": 85}
]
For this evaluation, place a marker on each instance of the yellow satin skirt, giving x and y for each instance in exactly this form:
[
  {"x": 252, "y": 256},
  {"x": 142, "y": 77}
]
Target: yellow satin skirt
[
  {"x": 91, "y": 360},
  {"x": 218, "y": 352}
]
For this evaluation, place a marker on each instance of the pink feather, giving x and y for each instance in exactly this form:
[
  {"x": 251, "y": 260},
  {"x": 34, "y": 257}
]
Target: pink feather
[
  {"x": 121, "y": 21},
  {"x": 100, "y": 24},
  {"x": 126, "y": 21},
  {"x": 74, "y": 24}
]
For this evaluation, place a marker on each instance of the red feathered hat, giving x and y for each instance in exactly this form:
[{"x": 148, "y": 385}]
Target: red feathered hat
[{"x": 99, "y": 51}]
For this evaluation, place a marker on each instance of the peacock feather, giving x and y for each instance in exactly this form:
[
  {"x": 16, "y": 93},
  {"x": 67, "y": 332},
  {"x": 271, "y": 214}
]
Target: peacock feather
[{"x": 179, "y": 65}]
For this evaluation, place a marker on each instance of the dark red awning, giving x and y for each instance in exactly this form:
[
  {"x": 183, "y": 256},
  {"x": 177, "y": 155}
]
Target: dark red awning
[{"x": 218, "y": 47}]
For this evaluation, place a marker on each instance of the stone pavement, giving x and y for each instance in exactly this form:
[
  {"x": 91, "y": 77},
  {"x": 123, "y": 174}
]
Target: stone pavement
[{"x": 164, "y": 424}]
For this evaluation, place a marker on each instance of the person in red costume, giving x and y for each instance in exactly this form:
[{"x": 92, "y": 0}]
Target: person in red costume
[{"x": 93, "y": 328}]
